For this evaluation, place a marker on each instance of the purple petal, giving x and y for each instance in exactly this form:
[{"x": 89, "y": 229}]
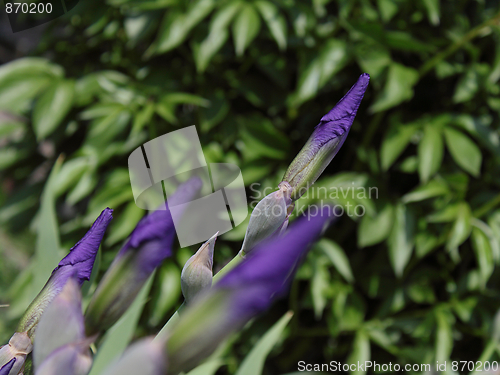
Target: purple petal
[
  {"x": 155, "y": 233},
  {"x": 82, "y": 256},
  {"x": 339, "y": 120},
  {"x": 6, "y": 369},
  {"x": 267, "y": 273}
]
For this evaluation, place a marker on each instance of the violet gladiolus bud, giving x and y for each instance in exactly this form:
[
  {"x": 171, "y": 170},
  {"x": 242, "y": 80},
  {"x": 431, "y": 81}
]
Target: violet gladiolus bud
[
  {"x": 197, "y": 273},
  {"x": 78, "y": 263},
  {"x": 147, "y": 247},
  {"x": 60, "y": 345},
  {"x": 326, "y": 140},
  {"x": 244, "y": 292},
  {"x": 270, "y": 216}
]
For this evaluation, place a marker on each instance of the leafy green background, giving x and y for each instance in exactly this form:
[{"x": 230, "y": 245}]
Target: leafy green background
[{"x": 412, "y": 281}]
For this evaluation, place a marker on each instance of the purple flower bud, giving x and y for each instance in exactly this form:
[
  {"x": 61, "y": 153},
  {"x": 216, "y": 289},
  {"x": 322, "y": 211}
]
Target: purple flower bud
[
  {"x": 147, "y": 247},
  {"x": 326, "y": 140},
  {"x": 244, "y": 292},
  {"x": 61, "y": 323},
  {"x": 78, "y": 263}
]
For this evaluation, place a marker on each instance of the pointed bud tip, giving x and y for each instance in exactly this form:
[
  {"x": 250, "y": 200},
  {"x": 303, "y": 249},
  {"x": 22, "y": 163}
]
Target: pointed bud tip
[{"x": 196, "y": 276}]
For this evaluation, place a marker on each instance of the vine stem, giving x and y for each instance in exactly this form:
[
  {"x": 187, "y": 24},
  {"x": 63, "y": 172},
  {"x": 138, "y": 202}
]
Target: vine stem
[
  {"x": 475, "y": 32},
  {"x": 487, "y": 207}
]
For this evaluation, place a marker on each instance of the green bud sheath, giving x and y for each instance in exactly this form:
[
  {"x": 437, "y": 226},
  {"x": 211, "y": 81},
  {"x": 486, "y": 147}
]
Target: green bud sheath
[
  {"x": 19, "y": 347},
  {"x": 268, "y": 217},
  {"x": 197, "y": 273}
]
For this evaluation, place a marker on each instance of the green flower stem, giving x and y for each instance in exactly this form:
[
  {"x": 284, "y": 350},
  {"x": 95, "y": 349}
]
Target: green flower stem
[
  {"x": 173, "y": 319},
  {"x": 228, "y": 267}
]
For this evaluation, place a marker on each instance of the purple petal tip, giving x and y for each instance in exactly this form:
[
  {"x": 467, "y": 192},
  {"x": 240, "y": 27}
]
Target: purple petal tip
[
  {"x": 6, "y": 369},
  {"x": 82, "y": 255},
  {"x": 339, "y": 120}
]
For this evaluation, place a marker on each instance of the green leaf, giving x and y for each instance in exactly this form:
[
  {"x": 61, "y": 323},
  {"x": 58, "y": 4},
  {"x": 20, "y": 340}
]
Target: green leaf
[
  {"x": 398, "y": 87},
  {"x": 433, "y": 11},
  {"x": 446, "y": 215},
  {"x": 319, "y": 286},
  {"x": 331, "y": 58},
  {"x": 253, "y": 364},
  {"x": 48, "y": 246},
  {"x": 10, "y": 156},
  {"x": 143, "y": 117},
  {"x": 337, "y": 257},
  {"x": 104, "y": 130},
  {"x": 118, "y": 337},
  {"x": 387, "y": 9},
  {"x": 467, "y": 86},
  {"x": 373, "y": 230},
  {"x": 210, "y": 367},
  {"x": 246, "y": 26},
  {"x": 84, "y": 186},
  {"x": 29, "y": 66},
  {"x": 395, "y": 141},
  {"x": 70, "y": 173},
  {"x": 275, "y": 21},
  {"x": 16, "y": 94},
  {"x": 430, "y": 153},
  {"x": 360, "y": 352},
  {"x": 217, "y": 36},
  {"x": 52, "y": 107},
  {"x": 461, "y": 228},
  {"x": 262, "y": 139},
  {"x": 483, "y": 252},
  {"x": 167, "y": 293},
  {"x": 444, "y": 335},
  {"x": 124, "y": 224},
  {"x": 185, "y": 98},
  {"x": 464, "y": 151},
  {"x": 401, "y": 239},
  {"x": 432, "y": 189},
  {"x": 178, "y": 26}
]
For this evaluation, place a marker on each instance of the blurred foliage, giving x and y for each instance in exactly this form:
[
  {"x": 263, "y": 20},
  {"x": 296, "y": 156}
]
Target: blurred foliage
[{"x": 412, "y": 281}]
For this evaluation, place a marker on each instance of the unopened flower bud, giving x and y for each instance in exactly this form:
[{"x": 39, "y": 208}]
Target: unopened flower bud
[
  {"x": 268, "y": 216},
  {"x": 79, "y": 262},
  {"x": 147, "y": 247},
  {"x": 13, "y": 355},
  {"x": 197, "y": 274},
  {"x": 325, "y": 141}
]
